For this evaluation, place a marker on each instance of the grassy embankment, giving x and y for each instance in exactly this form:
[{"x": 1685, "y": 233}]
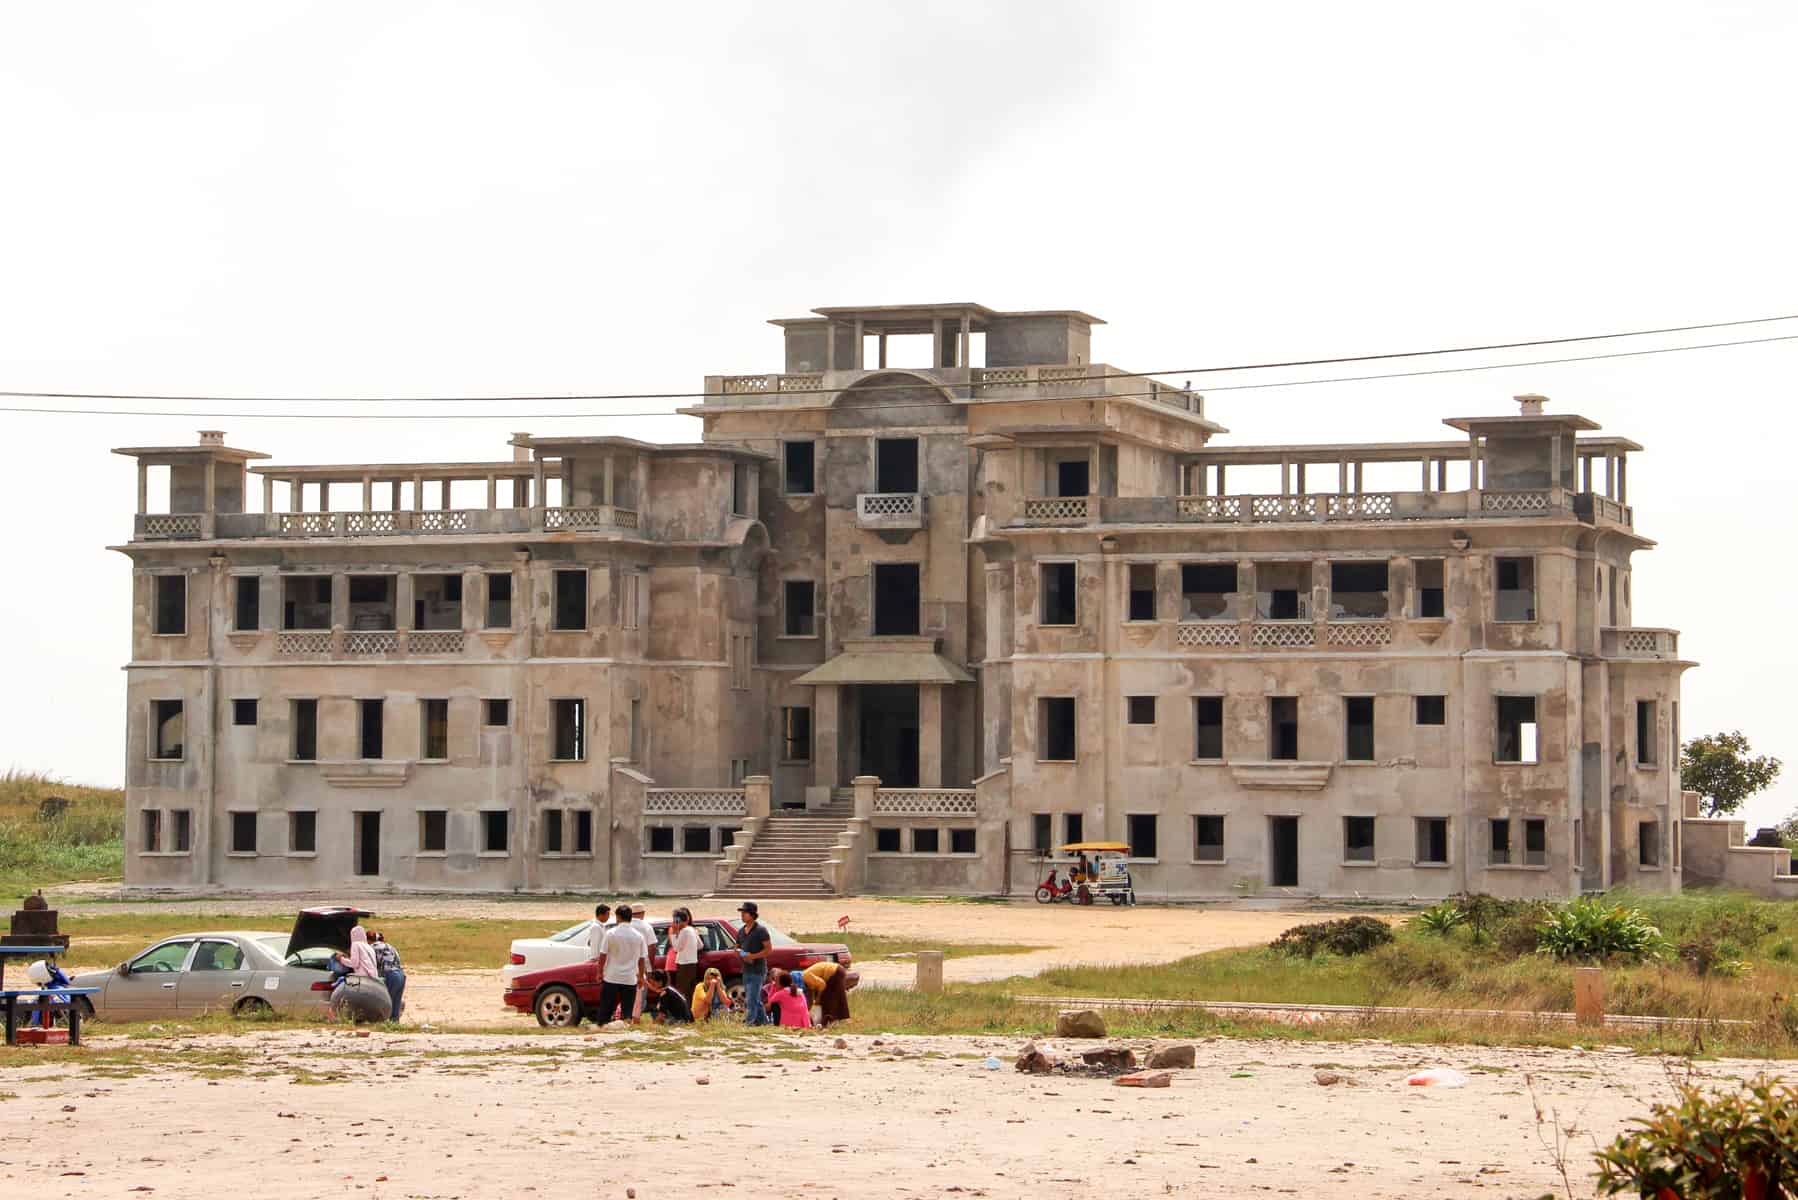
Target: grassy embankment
[{"x": 39, "y": 846}]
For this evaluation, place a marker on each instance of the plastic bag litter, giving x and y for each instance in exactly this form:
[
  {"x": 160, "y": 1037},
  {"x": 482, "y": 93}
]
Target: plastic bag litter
[
  {"x": 1437, "y": 1077},
  {"x": 991, "y": 1064}
]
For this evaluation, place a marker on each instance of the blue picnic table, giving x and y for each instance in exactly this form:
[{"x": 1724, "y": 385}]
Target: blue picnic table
[{"x": 52, "y": 1000}]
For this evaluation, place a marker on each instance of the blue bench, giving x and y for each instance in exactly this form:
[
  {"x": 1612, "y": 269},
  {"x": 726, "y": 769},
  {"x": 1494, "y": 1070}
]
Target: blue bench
[{"x": 53, "y": 1000}]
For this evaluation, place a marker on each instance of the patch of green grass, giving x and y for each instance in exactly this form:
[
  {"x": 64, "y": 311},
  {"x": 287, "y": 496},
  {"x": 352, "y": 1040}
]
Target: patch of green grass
[
  {"x": 865, "y": 946},
  {"x": 43, "y": 842}
]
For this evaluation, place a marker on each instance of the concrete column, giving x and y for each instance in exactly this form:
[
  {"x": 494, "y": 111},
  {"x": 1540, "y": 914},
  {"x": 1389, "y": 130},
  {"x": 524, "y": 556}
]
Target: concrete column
[
  {"x": 1442, "y": 474},
  {"x": 865, "y": 787},
  {"x": 474, "y": 597},
  {"x": 324, "y": 495},
  {"x": 961, "y": 359},
  {"x": 1285, "y": 477},
  {"x": 640, "y": 473},
  {"x": 1298, "y": 485},
  {"x": 1342, "y": 476},
  {"x": 1320, "y": 593},
  {"x": 340, "y": 600},
  {"x": 296, "y": 495},
  {"x": 1359, "y": 477},
  {"x": 607, "y": 488},
  {"x": 857, "y": 359},
  {"x": 1473, "y": 472},
  {"x": 143, "y": 486},
  {"x": 444, "y": 494},
  {"x": 1554, "y": 469},
  {"x": 537, "y": 504},
  {"x": 758, "y": 796},
  {"x": 1585, "y": 473},
  {"x": 402, "y": 600},
  {"x": 826, "y": 724},
  {"x": 1220, "y": 491},
  {"x": 936, "y": 342},
  {"x": 930, "y": 735},
  {"x": 268, "y": 494},
  {"x": 1400, "y": 575},
  {"x": 210, "y": 502},
  {"x": 492, "y": 492},
  {"x": 397, "y": 501},
  {"x": 418, "y": 493},
  {"x": 1623, "y": 479},
  {"x": 1426, "y": 473},
  {"x": 883, "y": 351},
  {"x": 368, "y": 494}
]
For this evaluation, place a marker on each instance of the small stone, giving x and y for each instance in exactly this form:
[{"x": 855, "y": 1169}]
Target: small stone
[
  {"x": 1111, "y": 1058},
  {"x": 1079, "y": 1023},
  {"x": 1145, "y": 1079},
  {"x": 702, "y": 1081},
  {"x": 1173, "y": 1056},
  {"x": 841, "y": 1043},
  {"x": 1034, "y": 1062},
  {"x": 630, "y": 1194},
  {"x": 1327, "y": 1078}
]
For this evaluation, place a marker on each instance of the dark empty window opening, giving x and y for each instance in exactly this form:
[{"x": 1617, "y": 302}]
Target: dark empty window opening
[
  {"x": 962, "y": 841},
  {"x": 243, "y": 712},
  {"x": 371, "y": 602},
  {"x": 1073, "y": 828},
  {"x": 551, "y": 821},
  {"x": 1142, "y": 592},
  {"x": 246, "y": 608},
  {"x": 571, "y": 600},
  {"x": 499, "y": 600},
  {"x": 1645, "y": 737},
  {"x": 896, "y": 599},
  {"x": 1358, "y": 719},
  {"x": 570, "y": 719},
  {"x": 886, "y": 840},
  {"x": 1358, "y": 590},
  {"x": 1357, "y": 839},
  {"x": 168, "y": 729},
  {"x": 243, "y": 833},
  {"x": 660, "y": 839},
  {"x": 152, "y": 839},
  {"x": 496, "y": 832},
  {"x": 1208, "y": 839},
  {"x": 303, "y": 715},
  {"x": 1139, "y": 710},
  {"x": 1283, "y": 591},
  {"x": 302, "y": 832},
  {"x": 1208, "y": 727},
  {"x": 1207, "y": 591},
  {"x": 306, "y": 602},
  {"x": 1073, "y": 477},
  {"x": 171, "y": 603},
  {"x": 739, "y": 489},
  {"x": 1535, "y": 842},
  {"x": 370, "y": 732},
  {"x": 925, "y": 841},
  {"x": 1499, "y": 843},
  {"x": 1055, "y": 729},
  {"x": 583, "y": 831},
  {"x": 799, "y": 604},
  {"x": 1143, "y": 830},
  {"x": 496, "y": 712},
  {"x": 1283, "y": 727},
  {"x": 1648, "y": 844},
  {"x": 1042, "y": 833},
  {"x": 1431, "y": 598},
  {"x": 1432, "y": 840},
  {"x": 796, "y": 734},
  {"x": 696, "y": 839},
  {"x": 896, "y": 465},
  {"x": 1432, "y": 710},
  {"x": 436, "y": 602},
  {"x": 1516, "y": 733},
  {"x": 433, "y": 721},
  {"x": 799, "y": 460},
  {"x": 183, "y": 840},
  {"x": 433, "y": 831},
  {"x": 1061, "y": 604},
  {"x": 1515, "y": 595}
]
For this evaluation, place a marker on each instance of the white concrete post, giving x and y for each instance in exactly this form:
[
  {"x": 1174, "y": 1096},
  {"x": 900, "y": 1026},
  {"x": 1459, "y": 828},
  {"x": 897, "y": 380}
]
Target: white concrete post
[
  {"x": 143, "y": 486},
  {"x": 865, "y": 788}
]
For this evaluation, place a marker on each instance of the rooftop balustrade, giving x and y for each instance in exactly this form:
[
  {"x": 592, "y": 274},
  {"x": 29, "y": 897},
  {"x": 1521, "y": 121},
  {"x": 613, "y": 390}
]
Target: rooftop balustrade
[
  {"x": 607, "y": 518},
  {"x": 1047, "y": 382},
  {"x": 1625, "y": 642},
  {"x": 1319, "y": 507}
]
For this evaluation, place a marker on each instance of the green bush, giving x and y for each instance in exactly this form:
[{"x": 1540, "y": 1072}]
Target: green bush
[
  {"x": 1441, "y": 918},
  {"x": 1417, "y": 963},
  {"x": 1740, "y": 1145},
  {"x": 1590, "y": 930},
  {"x": 1351, "y": 935},
  {"x": 1486, "y": 913},
  {"x": 1520, "y": 932}
]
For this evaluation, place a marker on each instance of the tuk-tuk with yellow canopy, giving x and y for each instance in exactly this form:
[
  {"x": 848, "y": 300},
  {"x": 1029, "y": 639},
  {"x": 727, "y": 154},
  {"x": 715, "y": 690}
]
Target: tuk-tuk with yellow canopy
[{"x": 1105, "y": 873}]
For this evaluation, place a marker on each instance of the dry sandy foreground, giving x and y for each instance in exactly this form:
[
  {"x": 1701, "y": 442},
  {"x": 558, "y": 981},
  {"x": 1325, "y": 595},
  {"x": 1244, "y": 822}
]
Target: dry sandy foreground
[{"x": 317, "y": 1113}]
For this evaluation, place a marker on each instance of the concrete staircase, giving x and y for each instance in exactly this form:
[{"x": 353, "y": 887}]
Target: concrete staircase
[{"x": 784, "y": 862}]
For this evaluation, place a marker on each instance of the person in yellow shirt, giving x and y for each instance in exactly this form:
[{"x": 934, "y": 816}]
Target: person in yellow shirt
[
  {"x": 826, "y": 982},
  {"x": 710, "y": 997}
]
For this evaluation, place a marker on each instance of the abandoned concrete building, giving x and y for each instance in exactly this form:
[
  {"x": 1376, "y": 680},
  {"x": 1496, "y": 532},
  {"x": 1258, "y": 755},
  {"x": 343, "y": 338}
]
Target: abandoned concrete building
[{"x": 905, "y": 628}]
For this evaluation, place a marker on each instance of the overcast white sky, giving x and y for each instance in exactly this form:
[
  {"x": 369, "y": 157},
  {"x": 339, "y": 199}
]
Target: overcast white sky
[{"x": 483, "y": 198}]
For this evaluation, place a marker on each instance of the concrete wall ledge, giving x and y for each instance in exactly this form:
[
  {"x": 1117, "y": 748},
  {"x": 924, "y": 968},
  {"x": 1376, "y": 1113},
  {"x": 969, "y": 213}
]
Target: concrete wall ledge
[
  {"x": 358, "y": 774},
  {"x": 1281, "y": 776}
]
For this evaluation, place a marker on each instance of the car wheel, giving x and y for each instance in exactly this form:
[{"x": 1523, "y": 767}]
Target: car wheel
[
  {"x": 87, "y": 1008},
  {"x": 557, "y": 1007},
  {"x": 739, "y": 999},
  {"x": 253, "y": 1006}
]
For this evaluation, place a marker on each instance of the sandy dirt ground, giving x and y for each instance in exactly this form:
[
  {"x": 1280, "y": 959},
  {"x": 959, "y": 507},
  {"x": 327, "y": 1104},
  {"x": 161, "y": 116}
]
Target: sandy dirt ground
[{"x": 314, "y": 1113}]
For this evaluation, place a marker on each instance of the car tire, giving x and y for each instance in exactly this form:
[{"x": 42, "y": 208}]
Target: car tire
[
  {"x": 253, "y": 1006},
  {"x": 557, "y": 1007},
  {"x": 87, "y": 1008},
  {"x": 739, "y": 998}
]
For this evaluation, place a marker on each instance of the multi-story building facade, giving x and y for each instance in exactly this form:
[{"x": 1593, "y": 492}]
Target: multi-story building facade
[{"x": 906, "y": 629}]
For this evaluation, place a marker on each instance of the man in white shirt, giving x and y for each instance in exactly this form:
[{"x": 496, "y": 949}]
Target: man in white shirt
[
  {"x": 649, "y": 952},
  {"x": 596, "y": 932},
  {"x": 623, "y": 960},
  {"x": 683, "y": 938}
]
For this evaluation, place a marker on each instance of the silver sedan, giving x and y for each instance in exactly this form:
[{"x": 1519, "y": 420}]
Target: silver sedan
[{"x": 235, "y": 971}]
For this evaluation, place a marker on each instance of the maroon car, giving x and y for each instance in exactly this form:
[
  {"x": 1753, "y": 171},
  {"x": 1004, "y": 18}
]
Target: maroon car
[{"x": 561, "y": 996}]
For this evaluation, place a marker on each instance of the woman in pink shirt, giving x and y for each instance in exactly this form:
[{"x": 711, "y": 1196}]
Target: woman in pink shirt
[{"x": 789, "y": 1003}]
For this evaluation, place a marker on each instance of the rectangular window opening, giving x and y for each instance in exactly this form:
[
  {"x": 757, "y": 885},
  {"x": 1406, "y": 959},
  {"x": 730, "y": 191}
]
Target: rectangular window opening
[
  {"x": 1535, "y": 842},
  {"x": 433, "y": 722},
  {"x": 925, "y": 841},
  {"x": 306, "y": 602},
  {"x": 171, "y": 604},
  {"x": 962, "y": 841},
  {"x": 433, "y": 831},
  {"x": 302, "y": 832},
  {"x": 741, "y": 500},
  {"x": 570, "y": 720},
  {"x": 1208, "y": 838},
  {"x": 1283, "y": 727},
  {"x": 1431, "y": 595},
  {"x": 499, "y": 600},
  {"x": 303, "y": 718},
  {"x": 1515, "y": 589},
  {"x": 1645, "y": 733},
  {"x": 496, "y": 832},
  {"x": 1073, "y": 476},
  {"x": 1208, "y": 727},
  {"x": 168, "y": 729},
  {"x": 496, "y": 713},
  {"x": 1042, "y": 833},
  {"x": 1517, "y": 731},
  {"x": 243, "y": 712},
  {"x": 583, "y": 831},
  {"x": 1358, "y": 743},
  {"x": 1059, "y": 595},
  {"x": 182, "y": 841},
  {"x": 897, "y": 596},
  {"x": 799, "y": 459},
  {"x": 1648, "y": 844},
  {"x": 1207, "y": 591},
  {"x": 1432, "y": 840},
  {"x": 1142, "y": 592},
  {"x": 660, "y": 839},
  {"x": 372, "y": 602},
  {"x": 1073, "y": 828},
  {"x": 696, "y": 839},
  {"x": 1357, "y": 839},
  {"x": 246, "y": 608},
  {"x": 896, "y": 465},
  {"x": 799, "y": 607},
  {"x": 1358, "y": 590},
  {"x": 551, "y": 822},
  {"x": 571, "y": 600},
  {"x": 1143, "y": 833},
  {"x": 796, "y": 734},
  {"x": 886, "y": 840},
  {"x": 1432, "y": 710},
  {"x": 152, "y": 826},
  {"x": 1283, "y": 591},
  {"x": 1140, "y": 710},
  {"x": 437, "y": 601},
  {"x": 1499, "y": 842},
  {"x": 370, "y": 728},
  {"x": 1055, "y": 729}
]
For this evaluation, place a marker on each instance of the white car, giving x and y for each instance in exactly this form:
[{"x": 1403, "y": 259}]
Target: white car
[{"x": 557, "y": 950}]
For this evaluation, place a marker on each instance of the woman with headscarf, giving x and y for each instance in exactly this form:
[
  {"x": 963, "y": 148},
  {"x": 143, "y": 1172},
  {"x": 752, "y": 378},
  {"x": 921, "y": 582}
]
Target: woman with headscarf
[{"x": 361, "y": 994}]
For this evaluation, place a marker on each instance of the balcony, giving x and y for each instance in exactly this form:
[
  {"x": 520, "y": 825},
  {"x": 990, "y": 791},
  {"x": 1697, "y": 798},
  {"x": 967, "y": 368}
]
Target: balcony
[
  {"x": 368, "y": 643},
  {"x": 435, "y": 522},
  {"x": 1323, "y": 508},
  {"x": 889, "y": 510},
  {"x": 1622, "y": 642},
  {"x": 1050, "y": 381},
  {"x": 1058, "y": 510}
]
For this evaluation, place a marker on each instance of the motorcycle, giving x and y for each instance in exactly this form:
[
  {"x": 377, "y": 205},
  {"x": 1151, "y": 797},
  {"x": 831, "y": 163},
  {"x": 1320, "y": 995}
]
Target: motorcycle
[{"x": 1053, "y": 891}]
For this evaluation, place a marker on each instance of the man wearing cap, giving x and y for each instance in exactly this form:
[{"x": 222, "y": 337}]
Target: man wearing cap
[{"x": 753, "y": 943}]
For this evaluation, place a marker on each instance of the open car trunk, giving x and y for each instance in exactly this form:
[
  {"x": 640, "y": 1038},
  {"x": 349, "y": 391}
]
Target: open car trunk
[{"x": 323, "y": 929}]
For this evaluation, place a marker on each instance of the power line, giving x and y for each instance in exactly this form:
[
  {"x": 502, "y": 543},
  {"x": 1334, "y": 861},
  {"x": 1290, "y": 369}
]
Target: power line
[
  {"x": 592, "y": 416},
  {"x": 161, "y": 397}
]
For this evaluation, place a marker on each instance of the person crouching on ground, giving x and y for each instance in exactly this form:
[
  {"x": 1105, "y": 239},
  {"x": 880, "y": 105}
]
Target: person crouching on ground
[
  {"x": 753, "y": 943},
  {"x": 683, "y": 952},
  {"x": 392, "y": 974},
  {"x": 827, "y": 983},
  {"x": 665, "y": 1005},
  {"x": 788, "y": 1004},
  {"x": 709, "y": 997},
  {"x": 621, "y": 964}
]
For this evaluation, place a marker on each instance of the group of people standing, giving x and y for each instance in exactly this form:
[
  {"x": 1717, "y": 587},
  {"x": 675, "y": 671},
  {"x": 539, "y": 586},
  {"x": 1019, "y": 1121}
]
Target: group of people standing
[{"x": 370, "y": 957}]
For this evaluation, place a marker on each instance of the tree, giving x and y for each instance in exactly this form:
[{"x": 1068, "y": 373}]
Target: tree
[{"x": 1721, "y": 768}]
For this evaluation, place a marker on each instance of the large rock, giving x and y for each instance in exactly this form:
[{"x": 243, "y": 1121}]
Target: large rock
[
  {"x": 1145, "y": 1079},
  {"x": 1079, "y": 1023},
  {"x": 1173, "y": 1056},
  {"x": 1112, "y": 1058}
]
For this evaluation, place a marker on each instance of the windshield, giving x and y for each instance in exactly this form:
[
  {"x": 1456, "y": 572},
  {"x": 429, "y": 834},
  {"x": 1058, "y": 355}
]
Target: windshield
[{"x": 572, "y": 932}]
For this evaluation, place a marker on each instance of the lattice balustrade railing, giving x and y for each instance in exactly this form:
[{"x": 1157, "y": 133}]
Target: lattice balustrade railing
[
  {"x": 624, "y": 518},
  {"x": 1360, "y": 506},
  {"x": 738, "y": 385},
  {"x": 368, "y": 641},
  {"x": 597, "y": 517},
  {"x": 1056, "y": 508},
  {"x": 889, "y": 504},
  {"x": 1001, "y": 377},
  {"x": 303, "y": 641},
  {"x": 1211, "y": 508},
  {"x": 1052, "y": 377},
  {"x": 365, "y": 523},
  {"x": 171, "y": 525},
  {"x": 1277, "y": 635},
  {"x": 434, "y": 641},
  {"x": 799, "y": 383},
  {"x": 308, "y": 524},
  {"x": 1518, "y": 502},
  {"x": 1610, "y": 510},
  {"x": 444, "y": 520},
  {"x": 703, "y": 802},
  {"x": 1283, "y": 508},
  {"x": 1208, "y": 633},
  {"x": 924, "y": 802},
  {"x": 1359, "y": 634}
]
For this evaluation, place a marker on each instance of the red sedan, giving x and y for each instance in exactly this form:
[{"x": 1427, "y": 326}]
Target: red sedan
[{"x": 562, "y": 996}]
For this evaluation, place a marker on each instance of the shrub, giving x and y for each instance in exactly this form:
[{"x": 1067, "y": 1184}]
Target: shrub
[
  {"x": 1589, "y": 929},
  {"x": 1440, "y": 919},
  {"x": 1736, "y": 1145},
  {"x": 1352, "y": 935},
  {"x": 1485, "y": 913},
  {"x": 1708, "y": 956},
  {"x": 1521, "y": 932},
  {"x": 1414, "y": 963}
]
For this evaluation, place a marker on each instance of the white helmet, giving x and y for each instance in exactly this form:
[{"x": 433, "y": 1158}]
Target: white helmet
[{"x": 38, "y": 972}]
